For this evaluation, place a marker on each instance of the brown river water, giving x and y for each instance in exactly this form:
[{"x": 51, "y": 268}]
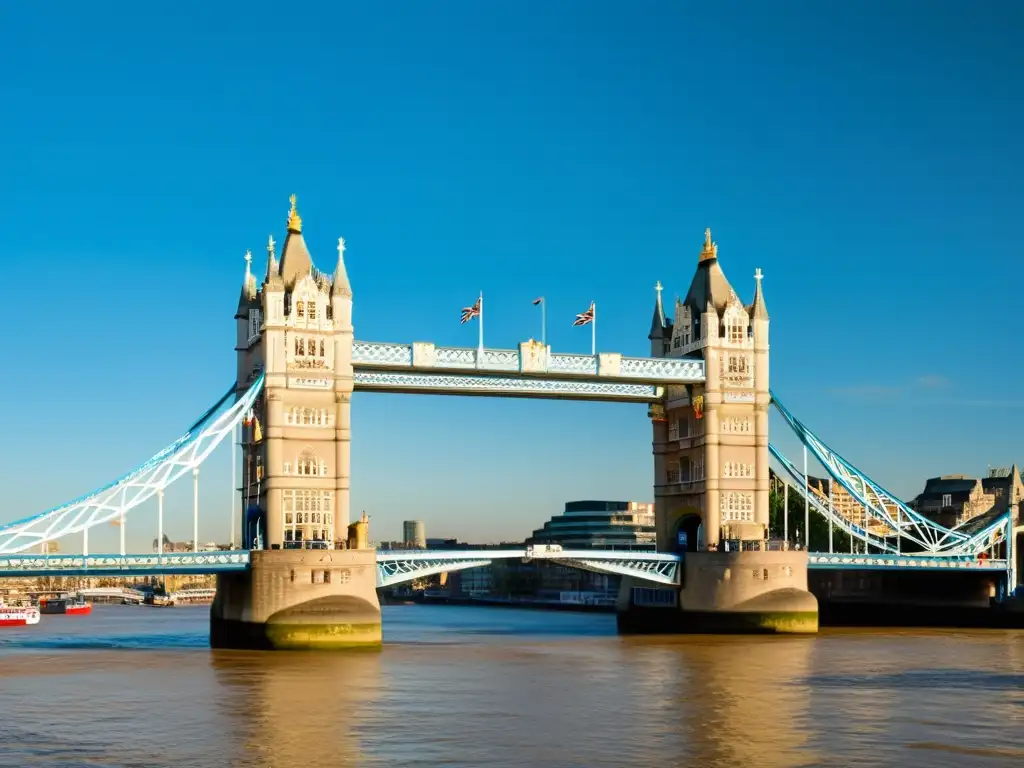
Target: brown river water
[{"x": 476, "y": 687}]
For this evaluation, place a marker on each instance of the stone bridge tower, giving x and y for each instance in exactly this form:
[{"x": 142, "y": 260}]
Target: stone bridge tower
[
  {"x": 312, "y": 577},
  {"x": 711, "y": 441},
  {"x": 297, "y": 327},
  {"x": 711, "y": 475}
]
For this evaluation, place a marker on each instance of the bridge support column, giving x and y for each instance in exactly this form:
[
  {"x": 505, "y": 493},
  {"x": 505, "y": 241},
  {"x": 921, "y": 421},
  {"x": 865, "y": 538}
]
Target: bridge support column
[
  {"x": 299, "y": 599},
  {"x": 749, "y": 592}
]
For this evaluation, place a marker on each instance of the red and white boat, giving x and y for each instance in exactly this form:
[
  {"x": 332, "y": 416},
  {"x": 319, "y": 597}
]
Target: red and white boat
[
  {"x": 64, "y": 604},
  {"x": 18, "y": 617}
]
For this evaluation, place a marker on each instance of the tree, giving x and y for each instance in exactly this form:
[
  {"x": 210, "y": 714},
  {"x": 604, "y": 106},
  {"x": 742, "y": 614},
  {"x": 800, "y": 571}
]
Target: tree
[{"x": 818, "y": 541}]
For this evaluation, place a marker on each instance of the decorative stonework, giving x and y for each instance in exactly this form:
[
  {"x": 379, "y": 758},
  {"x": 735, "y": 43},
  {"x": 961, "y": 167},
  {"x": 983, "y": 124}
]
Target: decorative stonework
[
  {"x": 738, "y": 425},
  {"x": 736, "y": 507},
  {"x": 737, "y": 469}
]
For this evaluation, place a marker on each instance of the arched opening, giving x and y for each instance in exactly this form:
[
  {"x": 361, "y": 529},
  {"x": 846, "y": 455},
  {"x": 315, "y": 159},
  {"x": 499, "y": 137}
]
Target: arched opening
[
  {"x": 255, "y": 533},
  {"x": 688, "y": 533}
]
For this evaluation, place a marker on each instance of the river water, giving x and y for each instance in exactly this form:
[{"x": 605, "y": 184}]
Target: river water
[{"x": 476, "y": 687}]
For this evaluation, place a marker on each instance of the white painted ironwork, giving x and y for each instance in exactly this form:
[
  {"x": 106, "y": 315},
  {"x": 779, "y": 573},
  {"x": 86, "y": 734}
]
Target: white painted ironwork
[
  {"x": 665, "y": 368},
  {"x": 128, "y": 492},
  {"x": 453, "y": 357},
  {"x": 656, "y": 567},
  {"x": 918, "y": 562},
  {"x": 376, "y": 353},
  {"x": 469, "y": 384},
  {"x": 398, "y": 567},
  {"x": 372, "y": 356},
  {"x": 889, "y": 511},
  {"x": 578, "y": 364},
  {"x": 99, "y": 565}
]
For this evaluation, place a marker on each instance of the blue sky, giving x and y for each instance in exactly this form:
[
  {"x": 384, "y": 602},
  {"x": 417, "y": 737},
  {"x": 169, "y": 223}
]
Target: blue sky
[{"x": 865, "y": 156}]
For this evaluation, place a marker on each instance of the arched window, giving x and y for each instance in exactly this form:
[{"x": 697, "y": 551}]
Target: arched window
[
  {"x": 735, "y": 324},
  {"x": 312, "y": 310},
  {"x": 321, "y": 348},
  {"x": 300, "y": 346},
  {"x": 685, "y": 469},
  {"x": 300, "y": 309}
]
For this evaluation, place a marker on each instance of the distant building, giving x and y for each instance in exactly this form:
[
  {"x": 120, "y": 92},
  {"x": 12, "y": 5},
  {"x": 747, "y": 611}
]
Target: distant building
[
  {"x": 186, "y": 546},
  {"x": 845, "y": 505},
  {"x": 414, "y": 534},
  {"x": 445, "y": 544},
  {"x": 600, "y": 525},
  {"x": 1005, "y": 486},
  {"x": 951, "y": 500}
]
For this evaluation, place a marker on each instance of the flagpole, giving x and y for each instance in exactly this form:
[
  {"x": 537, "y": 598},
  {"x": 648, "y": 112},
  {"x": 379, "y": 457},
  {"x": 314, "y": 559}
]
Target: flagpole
[
  {"x": 543, "y": 321},
  {"x": 593, "y": 331},
  {"x": 480, "y": 346}
]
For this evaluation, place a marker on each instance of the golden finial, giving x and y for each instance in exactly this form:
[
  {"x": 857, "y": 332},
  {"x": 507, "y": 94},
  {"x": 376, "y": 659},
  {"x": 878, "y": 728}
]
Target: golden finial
[
  {"x": 294, "y": 220},
  {"x": 710, "y": 250}
]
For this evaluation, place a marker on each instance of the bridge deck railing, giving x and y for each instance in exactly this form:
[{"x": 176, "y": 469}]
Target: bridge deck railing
[{"x": 527, "y": 360}]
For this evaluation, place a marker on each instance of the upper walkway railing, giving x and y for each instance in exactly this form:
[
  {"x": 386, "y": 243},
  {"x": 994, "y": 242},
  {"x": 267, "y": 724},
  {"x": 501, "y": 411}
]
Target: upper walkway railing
[{"x": 531, "y": 359}]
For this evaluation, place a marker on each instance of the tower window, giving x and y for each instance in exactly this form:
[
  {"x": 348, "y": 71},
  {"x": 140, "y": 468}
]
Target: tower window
[
  {"x": 312, "y": 310},
  {"x": 300, "y": 309},
  {"x": 329, "y": 312}
]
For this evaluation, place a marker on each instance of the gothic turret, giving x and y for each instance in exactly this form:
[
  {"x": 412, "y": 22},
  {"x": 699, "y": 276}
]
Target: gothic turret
[
  {"x": 296, "y": 262},
  {"x": 247, "y": 297},
  {"x": 757, "y": 309},
  {"x": 709, "y": 287},
  {"x": 272, "y": 281},
  {"x": 340, "y": 286},
  {"x": 661, "y": 330}
]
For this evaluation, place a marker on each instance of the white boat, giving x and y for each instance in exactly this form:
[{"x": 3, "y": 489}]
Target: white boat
[{"x": 17, "y": 616}]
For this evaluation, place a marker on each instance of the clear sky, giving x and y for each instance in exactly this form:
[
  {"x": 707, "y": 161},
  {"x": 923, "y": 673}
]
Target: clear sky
[{"x": 866, "y": 156}]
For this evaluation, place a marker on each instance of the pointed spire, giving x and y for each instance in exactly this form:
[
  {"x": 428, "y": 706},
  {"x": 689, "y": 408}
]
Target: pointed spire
[
  {"x": 294, "y": 220},
  {"x": 273, "y": 277},
  {"x": 658, "y": 321},
  {"x": 296, "y": 262},
  {"x": 710, "y": 250},
  {"x": 272, "y": 267},
  {"x": 248, "y": 282},
  {"x": 758, "y": 310},
  {"x": 341, "y": 285}
]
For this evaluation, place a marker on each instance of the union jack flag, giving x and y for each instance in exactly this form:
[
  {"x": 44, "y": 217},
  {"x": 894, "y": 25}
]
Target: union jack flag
[
  {"x": 468, "y": 313},
  {"x": 584, "y": 318}
]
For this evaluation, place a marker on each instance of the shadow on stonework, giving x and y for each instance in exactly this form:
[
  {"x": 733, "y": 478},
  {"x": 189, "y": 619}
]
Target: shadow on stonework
[{"x": 332, "y": 621}]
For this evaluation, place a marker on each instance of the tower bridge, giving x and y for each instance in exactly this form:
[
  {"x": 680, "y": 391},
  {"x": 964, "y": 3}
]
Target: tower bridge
[{"x": 305, "y": 575}]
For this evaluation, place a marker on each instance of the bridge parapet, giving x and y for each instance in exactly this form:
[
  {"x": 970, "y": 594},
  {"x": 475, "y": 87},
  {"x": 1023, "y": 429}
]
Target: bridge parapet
[{"x": 531, "y": 359}]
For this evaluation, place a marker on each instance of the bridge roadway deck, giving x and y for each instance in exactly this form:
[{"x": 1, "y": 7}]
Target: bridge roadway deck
[{"x": 394, "y": 567}]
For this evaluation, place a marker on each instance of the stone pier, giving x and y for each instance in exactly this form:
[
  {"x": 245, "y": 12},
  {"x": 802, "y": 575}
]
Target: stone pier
[
  {"x": 299, "y": 599},
  {"x": 751, "y": 592}
]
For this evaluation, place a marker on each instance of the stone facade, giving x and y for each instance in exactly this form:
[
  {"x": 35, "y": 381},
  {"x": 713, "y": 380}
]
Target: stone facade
[
  {"x": 300, "y": 591},
  {"x": 297, "y": 328},
  {"x": 711, "y": 440}
]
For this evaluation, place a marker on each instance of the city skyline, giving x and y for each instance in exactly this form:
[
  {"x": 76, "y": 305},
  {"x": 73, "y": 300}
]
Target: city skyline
[{"x": 579, "y": 183}]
